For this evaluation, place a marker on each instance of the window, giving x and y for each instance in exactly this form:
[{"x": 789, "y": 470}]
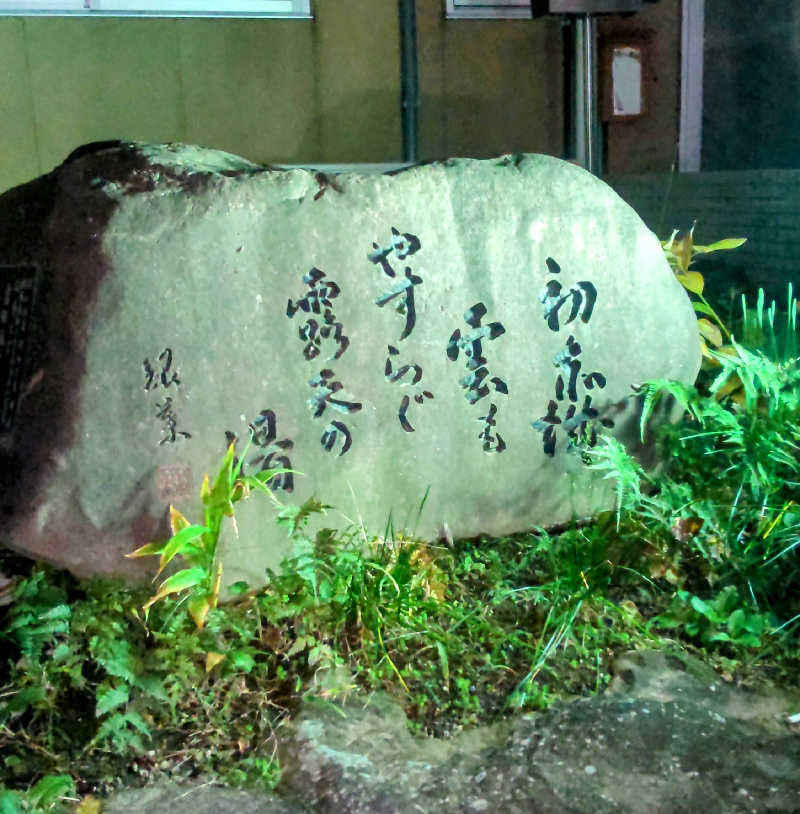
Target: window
[
  {"x": 159, "y": 8},
  {"x": 488, "y": 9}
]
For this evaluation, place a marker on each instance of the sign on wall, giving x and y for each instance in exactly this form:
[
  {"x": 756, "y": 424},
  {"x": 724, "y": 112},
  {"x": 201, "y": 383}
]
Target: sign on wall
[{"x": 17, "y": 299}]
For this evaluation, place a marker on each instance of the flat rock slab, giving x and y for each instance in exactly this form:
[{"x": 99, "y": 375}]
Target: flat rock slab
[
  {"x": 668, "y": 737},
  {"x": 196, "y": 798},
  {"x": 447, "y": 336}
]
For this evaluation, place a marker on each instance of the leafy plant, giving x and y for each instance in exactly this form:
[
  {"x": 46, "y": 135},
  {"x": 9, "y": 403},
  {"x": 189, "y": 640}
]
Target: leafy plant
[
  {"x": 57, "y": 657},
  {"x": 42, "y": 797},
  {"x": 39, "y": 614},
  {"x": 680, "y": 253},
  {"x": 148, "y": 688},
  {"x": 197, "y": 544},
  {"x": 761, "y": 329},
  {"x": 721, "y": 620},
  {"x": 352, "y": 587},
  {"x": 706, "y": 547},
  {"x": 611, "y": 457},
  {"x": 728, "y": 493}
]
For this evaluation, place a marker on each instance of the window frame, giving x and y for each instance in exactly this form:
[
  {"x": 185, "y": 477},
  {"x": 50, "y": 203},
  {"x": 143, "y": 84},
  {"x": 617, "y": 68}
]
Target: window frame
[
  {"x": 488, "y": 9},
  {"x": 276, "y": 9}
]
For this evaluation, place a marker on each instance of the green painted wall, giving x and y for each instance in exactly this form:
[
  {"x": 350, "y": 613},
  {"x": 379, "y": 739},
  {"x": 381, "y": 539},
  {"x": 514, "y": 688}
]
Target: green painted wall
[
  {"x": 326, "y": 91},
  {"x": 488, "y": 87},
  {"x": 20, "y": 155}
]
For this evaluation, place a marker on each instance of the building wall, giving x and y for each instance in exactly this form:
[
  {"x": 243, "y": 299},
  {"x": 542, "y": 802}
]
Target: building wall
[
  {"x": 751, "y": 106},
  {"x": 646, "y": 143},
  {"x": 761, "y": 205},
  {"x": 80, "y": 80},
  {"x": 293, "y": 91},
  {"x": 488, "y": 87}
]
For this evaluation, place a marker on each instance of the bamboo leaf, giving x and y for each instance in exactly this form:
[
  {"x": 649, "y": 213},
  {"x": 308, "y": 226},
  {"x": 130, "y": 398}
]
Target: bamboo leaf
[
  {"x": 702, "y": 308},
  {"x": 148, "y": 549},
  {"x": 187, "y": 578},
  {"x": 692, "y": 281},
  {"x": 180, "y": 544},
  {"x": 267, "y": 475},
  {"x": 260, "y": 480},
  {"x": 199, "y": 607},
  {"x": 725, "y": 243},
  {"x": 710, "y": 332},
  {"x": 177, "y": 521},
  {"x": 223, "y": 484},
  {"x": 217, "y": 582},
  {"x": 235, "y": 472},
  {"x": 683, "y": 249}
]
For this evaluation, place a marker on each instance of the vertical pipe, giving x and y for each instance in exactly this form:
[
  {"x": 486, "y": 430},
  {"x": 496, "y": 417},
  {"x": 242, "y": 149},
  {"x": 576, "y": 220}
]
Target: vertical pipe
[
  {"x": 579, "y": 91},
  {"x": 586, "y": 121},
  {"x": 409, "y": 79},
  {"x": 568, "y": 49},
  {"x": 690, "y": 138},
  {"x": 589, "y": 59}
]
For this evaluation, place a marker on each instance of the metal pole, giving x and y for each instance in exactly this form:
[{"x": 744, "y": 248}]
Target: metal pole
[
  {"x": 585, "y": 121},
  {"x": 691, "y": 121},
  {"x": 579, "y": 91},
  {"x": 409, "y": 79},
  {"x": 568, "y": 47}
]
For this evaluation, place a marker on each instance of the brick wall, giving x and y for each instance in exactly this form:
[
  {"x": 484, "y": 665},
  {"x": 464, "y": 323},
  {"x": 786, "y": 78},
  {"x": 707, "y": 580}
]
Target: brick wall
[{"x": 761, "y": 205}]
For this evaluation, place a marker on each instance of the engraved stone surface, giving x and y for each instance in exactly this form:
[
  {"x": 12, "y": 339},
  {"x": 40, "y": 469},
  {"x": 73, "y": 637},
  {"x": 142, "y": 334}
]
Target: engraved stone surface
[
  {"x": 456, "y": 329},
  {"x": 17, "y": 297}
]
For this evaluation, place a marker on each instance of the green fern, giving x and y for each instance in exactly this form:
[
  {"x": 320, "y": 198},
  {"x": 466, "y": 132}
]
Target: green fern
[
  {"x": 611, "y": 456},
  {"x": 760, "y": 376},
  {"x": 685, "y": 395},
  {"x": 123, "y": 731},
  {"x": 43, "y": 796},
  {"x": 293, "y": 517},
  {"x": 39, "y": 616}
]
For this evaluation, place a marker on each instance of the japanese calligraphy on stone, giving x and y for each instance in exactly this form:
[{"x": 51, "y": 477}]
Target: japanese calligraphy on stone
[
  {"x": 270, "y": 452},
  {"x": 401, "y": 246},
  {"x": 162, "y": 375},
  {"x": 322, "y": 325},
  {"x": 559, "y": 307},
  {"x": 478, "y": 381}
]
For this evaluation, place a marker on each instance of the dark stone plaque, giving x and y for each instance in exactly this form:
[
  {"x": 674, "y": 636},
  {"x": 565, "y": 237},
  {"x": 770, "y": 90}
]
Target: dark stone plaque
[{"x": 17, "y": 299}]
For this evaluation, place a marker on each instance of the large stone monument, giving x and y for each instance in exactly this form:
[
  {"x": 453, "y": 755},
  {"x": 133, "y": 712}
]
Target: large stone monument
[{"x": 459, "y": 329}]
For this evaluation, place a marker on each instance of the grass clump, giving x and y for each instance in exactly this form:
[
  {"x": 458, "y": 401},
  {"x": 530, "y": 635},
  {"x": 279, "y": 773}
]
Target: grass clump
[
  {"x": 464, "y": 635},
  {"x": 723, "y": 512}
]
